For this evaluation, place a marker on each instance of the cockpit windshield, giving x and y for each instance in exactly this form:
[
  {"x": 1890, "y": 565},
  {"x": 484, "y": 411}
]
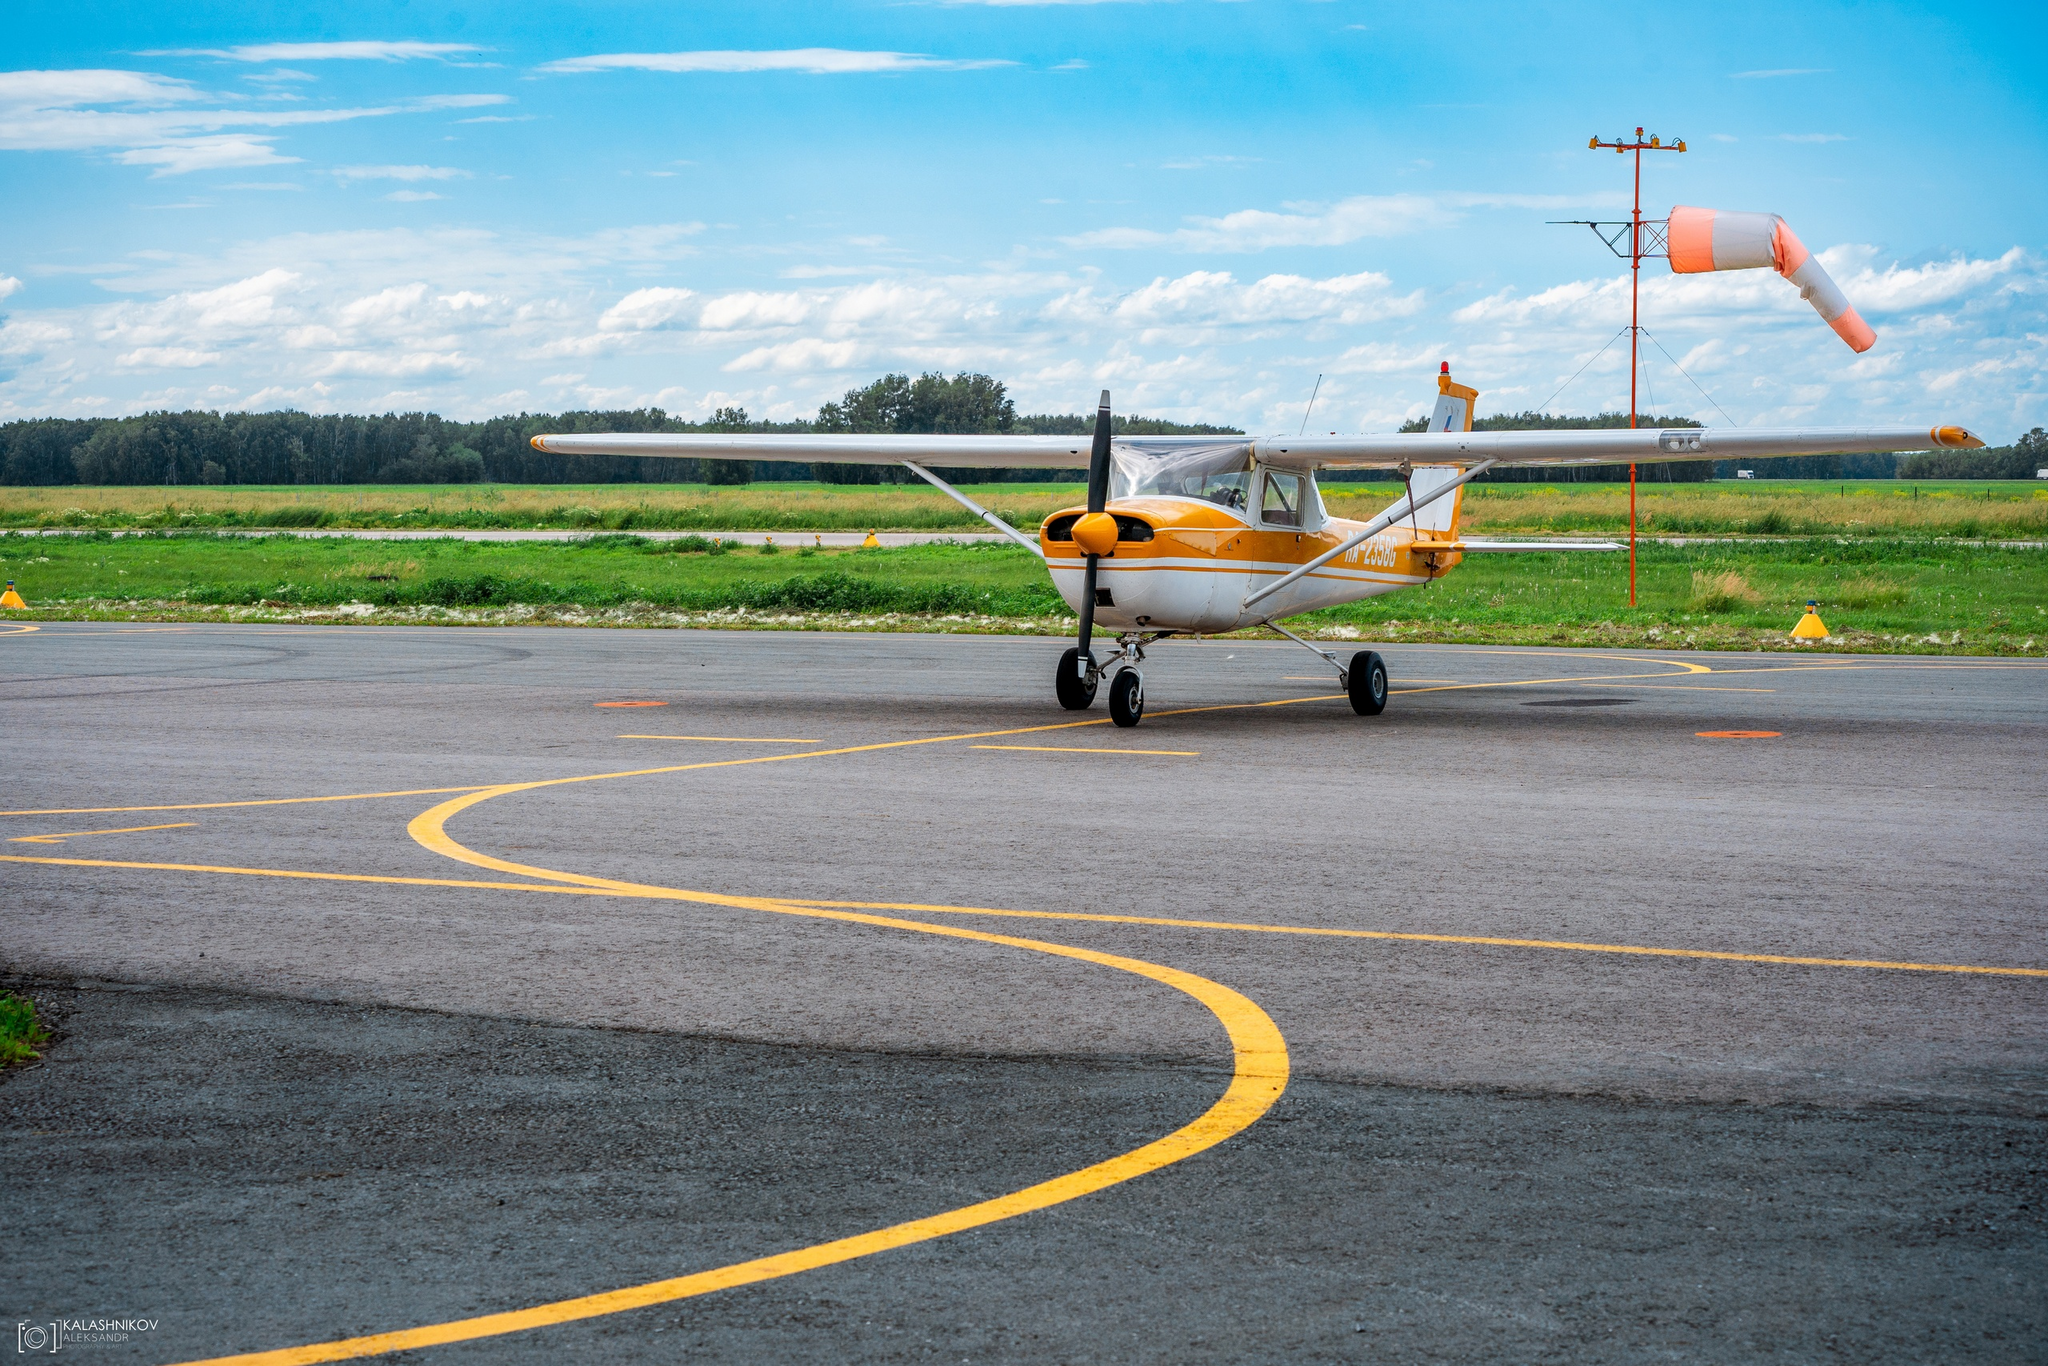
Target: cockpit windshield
[{"x": 1215, "y": 474}]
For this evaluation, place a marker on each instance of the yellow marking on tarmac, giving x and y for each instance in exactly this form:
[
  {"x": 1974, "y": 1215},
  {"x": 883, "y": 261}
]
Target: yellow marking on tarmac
[
  {"x": 1715, "y": 955},
  {"x": 19, "y": 628},
  {"x": 1258, "y": 1076},
  {"x": 728, "y": 739},
  {"x": 1250, "y": 927},
  {"x": 1079, "y": 749},
  {"x": 74, "y": 834},
  {"x": 216, "y": 806},
  {"x": 1533, "y": 682}
]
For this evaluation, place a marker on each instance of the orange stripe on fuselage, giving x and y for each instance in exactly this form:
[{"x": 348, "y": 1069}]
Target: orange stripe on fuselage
[{"x": 1185, "y": 529}]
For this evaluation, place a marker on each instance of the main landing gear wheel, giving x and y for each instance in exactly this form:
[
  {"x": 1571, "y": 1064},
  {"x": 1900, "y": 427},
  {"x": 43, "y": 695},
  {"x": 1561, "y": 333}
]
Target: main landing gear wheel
[
  {"x": 1076, "y": 689},
  {"x": 1126, "y": 697},
  {"x": 1367, "y": 683}
]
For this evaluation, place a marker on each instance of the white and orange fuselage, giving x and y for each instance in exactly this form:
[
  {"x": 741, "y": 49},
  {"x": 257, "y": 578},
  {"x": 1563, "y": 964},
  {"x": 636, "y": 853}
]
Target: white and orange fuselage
[{"x": 1187, "y": 565}]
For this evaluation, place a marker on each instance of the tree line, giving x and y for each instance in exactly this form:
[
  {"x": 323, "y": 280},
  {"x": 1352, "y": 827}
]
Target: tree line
[{"x": 289, "y": 447}]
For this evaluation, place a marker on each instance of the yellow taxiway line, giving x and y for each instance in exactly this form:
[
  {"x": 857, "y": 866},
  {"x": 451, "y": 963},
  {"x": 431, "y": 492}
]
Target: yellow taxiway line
[{"x": 60, "y": 836}]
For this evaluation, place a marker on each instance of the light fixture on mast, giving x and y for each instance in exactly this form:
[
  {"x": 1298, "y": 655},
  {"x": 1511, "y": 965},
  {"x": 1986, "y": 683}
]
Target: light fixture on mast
[{"x": 1645, "y": 239}]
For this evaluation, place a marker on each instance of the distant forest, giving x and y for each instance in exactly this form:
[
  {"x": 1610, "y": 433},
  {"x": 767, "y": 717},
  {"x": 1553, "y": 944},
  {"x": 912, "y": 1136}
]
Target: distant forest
[
  {"x": 196, "y": 447},
  {"x": 424, "y": 448}
]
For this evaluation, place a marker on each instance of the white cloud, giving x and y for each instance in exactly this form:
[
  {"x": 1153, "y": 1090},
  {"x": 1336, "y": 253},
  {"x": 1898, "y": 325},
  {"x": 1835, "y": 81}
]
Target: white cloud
[
  {"x": 1896, "y": 288},
  {"x": 403, "y": 365},
  {"x": 807, "y": 353},
  {"x": 1258, "y": 229},
  {"x": 819, "y": 61},
  {"x": 68, "y": 89},
  {"x": 167, "y": 357},
  {"x": 645, "y": 309},
  {"x": 218, "y": 152},
  {"x": 411, "y": 196},
  {"x": 321, "y": 52},
  {"x": 748, "y": 309},
  {"x": 1192, "y": 305},
  {"x": 1326, "y": 225},
  {"x": 407, "y": 173},
  {"x": 8, "y": 284},
  {"x": 148, "y": 120}
]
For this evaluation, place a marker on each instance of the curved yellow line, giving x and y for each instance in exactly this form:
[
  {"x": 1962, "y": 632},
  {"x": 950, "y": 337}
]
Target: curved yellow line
[
  {"x": 1258, "y": 1076},
  {"x": 19, "y": 628}
]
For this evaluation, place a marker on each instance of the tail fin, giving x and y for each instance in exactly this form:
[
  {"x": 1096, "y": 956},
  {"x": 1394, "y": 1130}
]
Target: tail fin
[
  {"x": 1439, "y": 518},
  {"x": 1453, "y": 404}
]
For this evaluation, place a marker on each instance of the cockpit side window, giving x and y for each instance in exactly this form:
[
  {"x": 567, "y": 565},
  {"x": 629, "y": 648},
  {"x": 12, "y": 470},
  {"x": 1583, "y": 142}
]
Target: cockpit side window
[{"x": 1282, "y": 502}]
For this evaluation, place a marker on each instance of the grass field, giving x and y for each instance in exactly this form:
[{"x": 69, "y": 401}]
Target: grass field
[
  {"x": 1921, "y": 595},
  {"x": 1867, "y": 508}
]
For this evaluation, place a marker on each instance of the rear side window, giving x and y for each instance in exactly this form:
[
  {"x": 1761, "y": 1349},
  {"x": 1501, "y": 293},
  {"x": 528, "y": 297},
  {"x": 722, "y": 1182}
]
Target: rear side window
[{"x": 1282, "y": 503}]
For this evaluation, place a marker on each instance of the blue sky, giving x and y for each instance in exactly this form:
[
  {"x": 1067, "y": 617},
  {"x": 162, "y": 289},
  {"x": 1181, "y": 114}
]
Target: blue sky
[{"x": 479, "y": 209}]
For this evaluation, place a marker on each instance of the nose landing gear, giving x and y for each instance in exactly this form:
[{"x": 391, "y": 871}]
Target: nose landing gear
[
  {"x": 1075, "y": 682},
  {"x": 1080, "y": 674}
]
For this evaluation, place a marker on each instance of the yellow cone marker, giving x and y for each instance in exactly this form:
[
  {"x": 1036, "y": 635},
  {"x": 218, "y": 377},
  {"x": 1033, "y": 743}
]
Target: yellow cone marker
[
  {"x": 11, "y": 598},
  {"x": 870, "y": 543},
  {"x": 1810, "y": 626}
]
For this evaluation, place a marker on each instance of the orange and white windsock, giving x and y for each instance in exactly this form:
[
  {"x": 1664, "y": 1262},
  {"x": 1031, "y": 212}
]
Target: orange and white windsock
[{"x": 1717, "y": 239}]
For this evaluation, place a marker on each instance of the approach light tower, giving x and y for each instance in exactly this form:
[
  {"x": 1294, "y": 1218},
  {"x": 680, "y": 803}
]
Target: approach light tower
[{"x": 1645, "y": 239}]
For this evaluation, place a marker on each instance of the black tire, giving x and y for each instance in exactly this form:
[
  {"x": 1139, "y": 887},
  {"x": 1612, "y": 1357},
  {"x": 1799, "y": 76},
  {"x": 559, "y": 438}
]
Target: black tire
[
  {"x": 1368, "y": 683},
  {"x": 1076, "y": 691},
  {"x": 1126, "y": 697}
]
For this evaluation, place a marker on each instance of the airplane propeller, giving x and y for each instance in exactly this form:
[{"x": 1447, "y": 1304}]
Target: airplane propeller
[{"x": 1095, "y": 533}]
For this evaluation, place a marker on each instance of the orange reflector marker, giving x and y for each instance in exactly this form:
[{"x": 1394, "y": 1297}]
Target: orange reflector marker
[
  {"x": 629, "y": 704},
  {"x": 1739, "y": 734}
]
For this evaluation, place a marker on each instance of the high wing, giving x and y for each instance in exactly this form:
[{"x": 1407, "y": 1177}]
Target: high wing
[
  {"x": 974, "y": 452},
  {"x": 1643, "y": 445}
]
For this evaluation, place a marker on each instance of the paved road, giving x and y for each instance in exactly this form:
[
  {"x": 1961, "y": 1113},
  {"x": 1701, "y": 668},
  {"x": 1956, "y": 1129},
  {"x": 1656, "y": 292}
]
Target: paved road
[{"x": 285, "y": 1110}]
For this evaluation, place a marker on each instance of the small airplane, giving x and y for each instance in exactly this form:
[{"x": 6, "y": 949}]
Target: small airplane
[{"x": 1192, "y": 535}]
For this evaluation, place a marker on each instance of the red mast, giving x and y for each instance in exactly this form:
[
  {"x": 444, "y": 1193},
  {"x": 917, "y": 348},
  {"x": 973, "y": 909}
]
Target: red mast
[{"x": 1640, "y": 244}]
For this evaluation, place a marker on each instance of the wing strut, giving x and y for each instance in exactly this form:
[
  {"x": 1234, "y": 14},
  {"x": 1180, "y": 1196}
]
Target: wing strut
[
  {"x": 977, "y": 509},
  {"x": 1371, "y": 529}
]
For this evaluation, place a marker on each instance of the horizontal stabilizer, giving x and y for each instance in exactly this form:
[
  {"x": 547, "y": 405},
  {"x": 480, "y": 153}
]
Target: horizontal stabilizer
[{"x": 1509, "y": 547}]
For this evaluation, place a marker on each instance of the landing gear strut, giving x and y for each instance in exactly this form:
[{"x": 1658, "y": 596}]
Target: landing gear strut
[{"x": 1364, "y": 679}]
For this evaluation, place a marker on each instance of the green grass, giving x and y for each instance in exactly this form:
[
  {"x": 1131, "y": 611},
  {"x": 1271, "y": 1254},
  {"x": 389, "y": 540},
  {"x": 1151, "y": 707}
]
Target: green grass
[
  {"x": 1877, "y": 508},
  {"x": 1921, "y": 595},
  {"x": 602, "y": 571},
  {"x": 20, "y": 1030}
]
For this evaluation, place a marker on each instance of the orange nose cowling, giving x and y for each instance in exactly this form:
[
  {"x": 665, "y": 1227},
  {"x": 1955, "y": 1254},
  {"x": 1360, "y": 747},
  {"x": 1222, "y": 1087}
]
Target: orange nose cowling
[{"x": 1096, "y": 533}]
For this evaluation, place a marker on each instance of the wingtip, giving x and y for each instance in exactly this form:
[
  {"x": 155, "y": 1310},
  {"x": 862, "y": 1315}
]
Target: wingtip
[
  {"x": 1957, "y": 438},
  {"x": 537, "y": 443}
]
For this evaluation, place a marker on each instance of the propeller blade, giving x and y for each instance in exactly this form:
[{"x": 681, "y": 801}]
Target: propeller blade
[
  {"x": 1098, "y": 459},
  {"x": 1098, "y": 498}
]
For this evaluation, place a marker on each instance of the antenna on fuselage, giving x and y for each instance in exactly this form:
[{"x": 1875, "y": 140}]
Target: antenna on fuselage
[{"x": 1311, "y": 404}]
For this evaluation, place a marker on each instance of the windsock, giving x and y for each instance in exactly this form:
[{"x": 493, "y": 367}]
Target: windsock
[{"x": 1717, "y": 239}]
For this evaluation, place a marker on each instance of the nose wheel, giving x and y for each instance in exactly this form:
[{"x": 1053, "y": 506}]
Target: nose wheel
[{"x": 1127, "y": 697}]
